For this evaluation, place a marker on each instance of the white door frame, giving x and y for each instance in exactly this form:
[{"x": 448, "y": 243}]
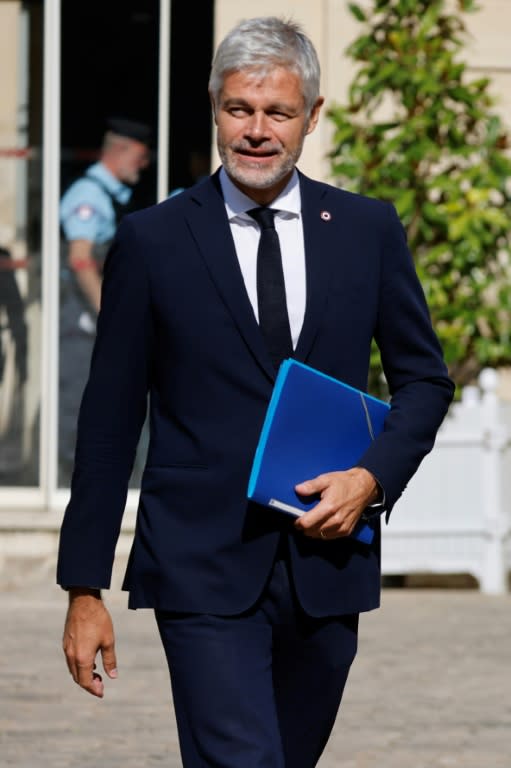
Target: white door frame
[{"x": 47, "y": 496}]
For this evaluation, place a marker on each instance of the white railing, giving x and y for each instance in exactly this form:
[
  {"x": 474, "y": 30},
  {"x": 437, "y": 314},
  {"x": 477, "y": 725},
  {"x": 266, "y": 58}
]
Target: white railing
[{"x": 455, "y": 515}]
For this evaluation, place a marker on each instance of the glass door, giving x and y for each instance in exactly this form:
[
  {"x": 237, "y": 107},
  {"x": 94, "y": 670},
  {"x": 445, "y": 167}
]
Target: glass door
[
  {"x": 21, "y": 45},
  {"x": 70, "y": 69},
  {"x": 109, "y": 151}
]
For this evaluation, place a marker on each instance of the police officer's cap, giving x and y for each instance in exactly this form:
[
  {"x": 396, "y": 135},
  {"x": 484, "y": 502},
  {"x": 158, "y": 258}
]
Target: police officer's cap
[{"x": 130, "y": 129}]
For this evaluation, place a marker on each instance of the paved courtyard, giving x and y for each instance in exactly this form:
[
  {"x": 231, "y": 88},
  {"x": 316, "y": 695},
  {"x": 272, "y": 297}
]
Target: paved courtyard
[{"x": 430, "y": 688}]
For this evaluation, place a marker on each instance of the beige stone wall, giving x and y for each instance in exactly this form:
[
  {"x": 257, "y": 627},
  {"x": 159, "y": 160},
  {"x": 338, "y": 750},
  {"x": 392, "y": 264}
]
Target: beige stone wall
[
  {"x": 489, "y": 49},
  {"x": 332, "y": 28}
]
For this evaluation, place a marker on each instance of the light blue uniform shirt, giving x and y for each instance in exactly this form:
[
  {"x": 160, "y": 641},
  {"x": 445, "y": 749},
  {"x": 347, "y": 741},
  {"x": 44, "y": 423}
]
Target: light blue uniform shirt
[{"x": 86, "y": 210}]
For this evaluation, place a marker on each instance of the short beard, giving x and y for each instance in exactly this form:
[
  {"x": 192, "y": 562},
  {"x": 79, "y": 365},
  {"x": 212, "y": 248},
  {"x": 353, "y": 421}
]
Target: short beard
[{"x": 262, "y": 180}]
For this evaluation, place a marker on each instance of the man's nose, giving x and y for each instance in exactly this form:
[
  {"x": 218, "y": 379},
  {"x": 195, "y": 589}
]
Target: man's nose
[{"x": 257, "y": 125}]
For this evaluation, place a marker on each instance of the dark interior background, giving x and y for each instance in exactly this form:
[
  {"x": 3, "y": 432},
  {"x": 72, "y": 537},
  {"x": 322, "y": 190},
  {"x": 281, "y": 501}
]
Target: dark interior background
[{"x": 110, "y": 67}]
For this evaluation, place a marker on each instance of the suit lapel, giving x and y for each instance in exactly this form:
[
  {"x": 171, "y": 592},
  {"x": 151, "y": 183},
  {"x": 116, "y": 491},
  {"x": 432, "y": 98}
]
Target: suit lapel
[
  {"x": 320, "y": 247},
  {"x": 210, "y": 228}
]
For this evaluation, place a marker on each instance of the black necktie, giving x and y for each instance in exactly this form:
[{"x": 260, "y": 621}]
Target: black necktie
[{"x": 271, "y": 291}]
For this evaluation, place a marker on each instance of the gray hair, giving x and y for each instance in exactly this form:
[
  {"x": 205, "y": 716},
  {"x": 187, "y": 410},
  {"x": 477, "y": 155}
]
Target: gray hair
[{"x": 261, "y": 44}]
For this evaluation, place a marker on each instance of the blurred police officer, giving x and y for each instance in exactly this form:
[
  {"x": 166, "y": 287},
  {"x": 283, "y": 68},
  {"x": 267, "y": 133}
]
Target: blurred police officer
[{"x": 90, "y": 211}]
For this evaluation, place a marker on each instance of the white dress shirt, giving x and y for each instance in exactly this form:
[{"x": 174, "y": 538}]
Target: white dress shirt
[{"x": 288, "y": 223}]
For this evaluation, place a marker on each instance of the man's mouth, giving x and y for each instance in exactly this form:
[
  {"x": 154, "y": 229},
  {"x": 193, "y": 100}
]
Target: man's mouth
[{"x": 256, "y": 154}]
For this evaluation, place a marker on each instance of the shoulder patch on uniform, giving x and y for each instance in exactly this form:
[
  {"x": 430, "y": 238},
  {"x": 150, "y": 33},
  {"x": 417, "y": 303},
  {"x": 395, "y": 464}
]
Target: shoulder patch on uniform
[{"x": 84, "y": 212}]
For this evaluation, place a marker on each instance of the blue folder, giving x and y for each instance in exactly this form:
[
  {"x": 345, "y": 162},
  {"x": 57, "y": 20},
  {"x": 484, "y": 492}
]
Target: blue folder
[{"x": 314, "y": 424}]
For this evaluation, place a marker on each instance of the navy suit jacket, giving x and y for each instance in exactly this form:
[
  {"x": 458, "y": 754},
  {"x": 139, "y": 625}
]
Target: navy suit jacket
[{"x": 176, "y": 324}]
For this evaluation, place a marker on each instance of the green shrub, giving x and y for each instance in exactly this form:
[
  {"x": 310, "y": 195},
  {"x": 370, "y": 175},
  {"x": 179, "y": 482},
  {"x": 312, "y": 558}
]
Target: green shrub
[{"x": 418, "y": 131}]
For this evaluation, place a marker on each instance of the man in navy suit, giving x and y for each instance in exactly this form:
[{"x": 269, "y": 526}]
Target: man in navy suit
[{"x": 258, "y": 613}]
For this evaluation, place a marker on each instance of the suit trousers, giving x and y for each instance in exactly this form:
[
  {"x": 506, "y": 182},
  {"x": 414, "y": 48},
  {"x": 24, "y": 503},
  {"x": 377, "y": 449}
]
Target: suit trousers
[{"x": 259, "y": 689}]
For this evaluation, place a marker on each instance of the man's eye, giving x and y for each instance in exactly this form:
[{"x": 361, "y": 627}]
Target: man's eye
[{"x": 238, "y": 111}]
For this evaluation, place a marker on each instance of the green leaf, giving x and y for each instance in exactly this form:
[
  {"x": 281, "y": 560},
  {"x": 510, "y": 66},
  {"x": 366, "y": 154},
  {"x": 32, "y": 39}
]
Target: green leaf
[{"x": 357, "y": 12}]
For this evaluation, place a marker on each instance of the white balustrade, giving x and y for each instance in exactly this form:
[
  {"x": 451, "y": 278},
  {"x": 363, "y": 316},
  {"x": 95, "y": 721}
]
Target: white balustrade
[{"x": 455, "y": 515}]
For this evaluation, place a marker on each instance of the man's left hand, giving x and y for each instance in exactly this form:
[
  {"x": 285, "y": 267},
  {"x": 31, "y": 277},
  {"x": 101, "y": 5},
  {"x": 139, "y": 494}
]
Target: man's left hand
[{"x": 344, "y": 496}]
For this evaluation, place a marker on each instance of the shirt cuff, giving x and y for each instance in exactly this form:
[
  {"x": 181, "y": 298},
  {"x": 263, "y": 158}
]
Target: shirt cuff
[{"x": 377, "y": 507}]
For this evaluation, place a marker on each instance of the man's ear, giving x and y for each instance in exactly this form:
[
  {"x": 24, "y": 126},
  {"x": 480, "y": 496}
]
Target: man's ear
[
  {"x": 314, "y": 116},
  {"x": 213, "y": 106}
]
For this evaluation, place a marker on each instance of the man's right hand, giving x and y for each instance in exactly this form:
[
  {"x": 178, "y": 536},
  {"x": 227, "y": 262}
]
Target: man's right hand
[{"x": 88, "y": 629}]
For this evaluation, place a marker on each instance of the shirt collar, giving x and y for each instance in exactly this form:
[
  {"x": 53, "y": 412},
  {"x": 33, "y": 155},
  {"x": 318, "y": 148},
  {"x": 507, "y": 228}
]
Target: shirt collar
[
  {"x": 119, "y": 190},
  {"x": 237, "y": 204}
]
